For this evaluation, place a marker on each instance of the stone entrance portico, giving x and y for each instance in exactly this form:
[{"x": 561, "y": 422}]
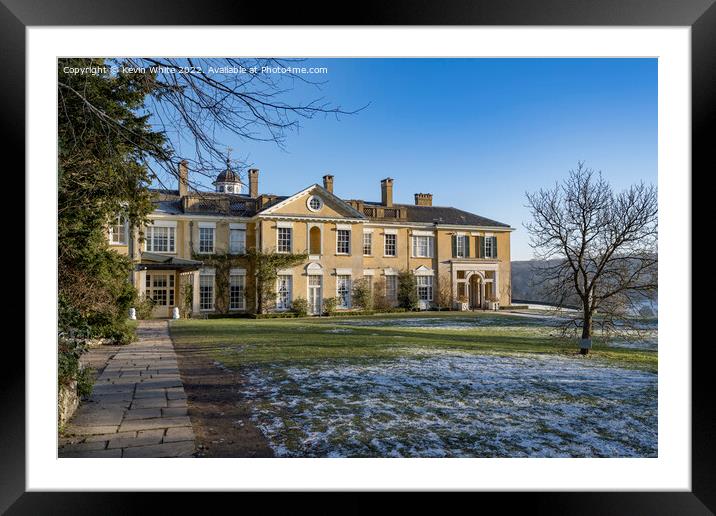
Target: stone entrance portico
[{"x": 475, "y": 280}]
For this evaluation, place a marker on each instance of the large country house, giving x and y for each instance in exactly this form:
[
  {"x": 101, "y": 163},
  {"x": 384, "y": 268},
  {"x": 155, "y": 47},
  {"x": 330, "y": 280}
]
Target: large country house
[{"x": 450, "y": 251}]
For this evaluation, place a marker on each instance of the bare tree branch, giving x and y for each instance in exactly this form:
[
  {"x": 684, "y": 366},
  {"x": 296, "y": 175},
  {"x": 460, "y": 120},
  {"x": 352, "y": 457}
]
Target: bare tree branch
[{"x": 599, "y": 249}]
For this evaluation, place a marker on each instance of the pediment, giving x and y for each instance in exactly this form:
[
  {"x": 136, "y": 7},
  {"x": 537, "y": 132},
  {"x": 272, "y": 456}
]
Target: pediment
[{"x": 314, "y": 202}]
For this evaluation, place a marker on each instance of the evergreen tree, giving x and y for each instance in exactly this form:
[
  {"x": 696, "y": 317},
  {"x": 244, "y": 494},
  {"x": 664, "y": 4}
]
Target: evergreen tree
[
  {"x": 407, "y": 291},
  {"x": 104, "y": 142}
]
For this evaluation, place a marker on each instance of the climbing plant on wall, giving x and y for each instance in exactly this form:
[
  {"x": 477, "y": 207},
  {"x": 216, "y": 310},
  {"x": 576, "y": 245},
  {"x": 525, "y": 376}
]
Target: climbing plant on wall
[
  {"x": 222, "y": 263},
  {"x": 266, "y": 265},
  {"x": 262, "y": 265}
]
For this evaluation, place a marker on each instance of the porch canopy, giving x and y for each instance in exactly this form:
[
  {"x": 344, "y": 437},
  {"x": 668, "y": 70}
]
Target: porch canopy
[{"x": 154, "y": 261}]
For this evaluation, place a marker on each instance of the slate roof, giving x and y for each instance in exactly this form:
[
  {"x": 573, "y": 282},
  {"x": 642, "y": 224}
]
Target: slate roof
[
  {"x": 169, "y": 202},
  {"x": 448, "y": 215}
]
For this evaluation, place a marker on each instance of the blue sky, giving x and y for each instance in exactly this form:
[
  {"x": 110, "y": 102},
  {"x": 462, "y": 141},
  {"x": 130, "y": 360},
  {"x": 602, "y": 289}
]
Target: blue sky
[{"x": 476, "y": 133}]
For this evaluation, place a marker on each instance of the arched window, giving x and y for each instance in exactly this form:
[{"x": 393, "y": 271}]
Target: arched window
[{"x": 314, "y": 236}]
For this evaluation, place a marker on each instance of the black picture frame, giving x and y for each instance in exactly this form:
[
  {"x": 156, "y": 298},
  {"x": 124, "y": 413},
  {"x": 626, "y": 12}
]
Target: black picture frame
[{"x": 700, "y": 15}]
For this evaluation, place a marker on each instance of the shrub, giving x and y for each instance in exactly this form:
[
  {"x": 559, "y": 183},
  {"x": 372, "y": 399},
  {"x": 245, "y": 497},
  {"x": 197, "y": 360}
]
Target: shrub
[
  {"x": 380, "y": 300},
  {"x": 69, "y": 351},
  {"x": 119, "y": 332},
  {"x": 363, "y": 294},
  {"x": 329, "y": 305},
  {"x": 84, "y": 381},
  {"x": 299, "y": 306},
  {"x": 69, "y": 368},
  {"x": 444, "y": 292},
  {"x": 407, "y": 291},
  {"x": 145, "y": 305},
  {"x": 187, "y": 300},
  {"x": 232, "y": 315},
  {"x": 272, "y": 315}
]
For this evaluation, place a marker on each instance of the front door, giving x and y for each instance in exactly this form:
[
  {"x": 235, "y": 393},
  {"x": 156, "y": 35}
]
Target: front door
[
  {"x": 475, "y": 298},
  {"x": 314, "y": 294},
  {"x": 160, "y": 287}
]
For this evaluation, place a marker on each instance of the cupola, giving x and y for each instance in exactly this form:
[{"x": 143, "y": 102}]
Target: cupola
[{"x": 228, "y": 181}]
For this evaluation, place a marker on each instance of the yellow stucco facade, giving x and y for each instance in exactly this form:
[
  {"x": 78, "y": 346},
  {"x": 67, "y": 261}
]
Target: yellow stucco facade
[{"x": 460, "y": 260}]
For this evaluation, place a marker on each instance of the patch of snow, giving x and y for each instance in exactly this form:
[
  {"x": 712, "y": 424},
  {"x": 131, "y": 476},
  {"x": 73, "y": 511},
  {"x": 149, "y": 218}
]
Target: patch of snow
[{"x": 456, "y": 405}]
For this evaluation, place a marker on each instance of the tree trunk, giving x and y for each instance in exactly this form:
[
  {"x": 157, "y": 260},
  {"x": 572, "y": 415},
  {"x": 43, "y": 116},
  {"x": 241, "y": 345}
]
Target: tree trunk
[{"x": 586, "y": 329}]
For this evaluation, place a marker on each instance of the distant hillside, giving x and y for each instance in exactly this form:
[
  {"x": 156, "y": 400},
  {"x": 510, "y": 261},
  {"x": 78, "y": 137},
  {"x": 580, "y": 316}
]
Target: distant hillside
[
  {"x": 523, "y": 279},
  {"x": 526, "y": 286}
]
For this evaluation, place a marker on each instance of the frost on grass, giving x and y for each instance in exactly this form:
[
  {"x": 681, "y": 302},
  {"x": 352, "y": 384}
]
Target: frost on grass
[
  {"x": 456, "y": 405},
  {"x": 449, "y": 323}
]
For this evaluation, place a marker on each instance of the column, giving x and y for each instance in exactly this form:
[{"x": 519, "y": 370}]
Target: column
[
  {"x": 195, "y": 293},
  {"x": 141, "y": 286},
  {"x": 453, "y": 286}
]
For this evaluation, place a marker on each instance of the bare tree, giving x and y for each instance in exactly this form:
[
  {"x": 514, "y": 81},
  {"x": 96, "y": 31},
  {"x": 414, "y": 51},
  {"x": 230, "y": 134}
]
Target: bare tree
[
  {"x": 600, "y": 248},
  {"x": 199, "y": 103},
  {"x": 444, "y": 292}
]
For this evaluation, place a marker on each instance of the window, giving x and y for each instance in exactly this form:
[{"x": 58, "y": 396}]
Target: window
[
  {"x": 391, "y": 287},
  {"x": 343, "y": 241},
  {"x": 237, "y": 289},
  {"x": 490, "y": 247},
  {"x": 461, "y": 246},
  {"x": 367, "y": 244},
  {"x": 423, "y": 246},
  {"x": 315, "y": 293},
  {"x": 391, "y": 247},
  {"x": 283, "y": 292},
  {"x": 206, "y": 240},
  {"x": 118, "y": 231},
  {"x": 343, "y": 291},
  {"x": 283, "y": 244},
  {"x": 160, "y": 239},
  {"x": 160, "y": 288},
  {"x": 237, "y": 241},
  {"x": 206, "y": 291},
  {"x": 425, "y": 288},
  {"x": 315, "y": 203}
]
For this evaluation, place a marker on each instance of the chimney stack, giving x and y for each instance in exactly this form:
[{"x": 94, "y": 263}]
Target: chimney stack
[
  {"x": 253, "y": 183},
  {"x": 328, "y": 182},
  {"x": 423, "y": 199},
  {"x": 386, "y": 192},
  {"x": 183, "y": 178}
]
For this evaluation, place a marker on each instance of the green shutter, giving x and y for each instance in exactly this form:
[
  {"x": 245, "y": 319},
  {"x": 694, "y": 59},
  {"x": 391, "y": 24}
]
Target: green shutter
[
  {"x": 494, "y": 247},
  {"x": 467, "y": 246},
  {"x": 454, "y": 246}
]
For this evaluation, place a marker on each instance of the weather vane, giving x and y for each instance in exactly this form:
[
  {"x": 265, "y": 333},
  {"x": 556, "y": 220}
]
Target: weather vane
[{"x": 228, "y": 155}]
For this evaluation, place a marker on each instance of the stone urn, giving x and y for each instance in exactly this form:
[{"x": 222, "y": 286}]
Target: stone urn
[{"x": 462, "y": 306}]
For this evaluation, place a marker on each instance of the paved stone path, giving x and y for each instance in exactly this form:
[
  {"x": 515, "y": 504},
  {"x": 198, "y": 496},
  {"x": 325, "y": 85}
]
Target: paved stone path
[{"x": 137, "y": 407}]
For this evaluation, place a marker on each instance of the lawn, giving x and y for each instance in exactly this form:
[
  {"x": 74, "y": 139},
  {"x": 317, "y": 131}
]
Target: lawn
[{"x": 438, "y": 384}]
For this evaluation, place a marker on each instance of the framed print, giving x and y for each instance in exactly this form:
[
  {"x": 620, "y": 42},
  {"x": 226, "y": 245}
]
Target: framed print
[{"x": 419, "y": 252}]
